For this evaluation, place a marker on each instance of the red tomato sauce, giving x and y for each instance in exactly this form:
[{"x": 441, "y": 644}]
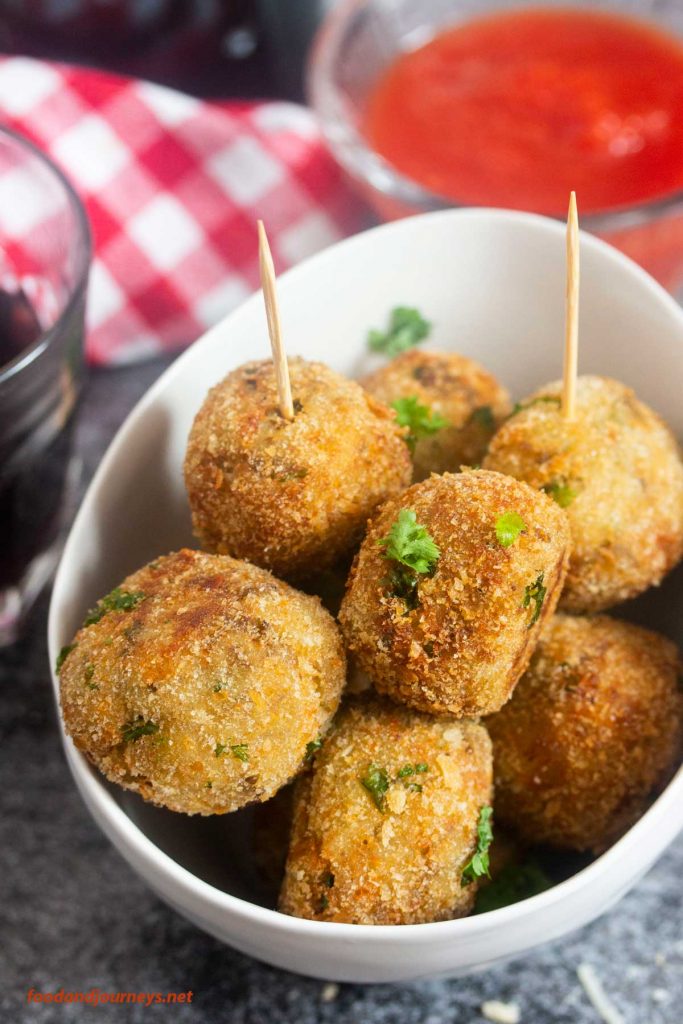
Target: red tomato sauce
[{"x": 515, "y": 109}]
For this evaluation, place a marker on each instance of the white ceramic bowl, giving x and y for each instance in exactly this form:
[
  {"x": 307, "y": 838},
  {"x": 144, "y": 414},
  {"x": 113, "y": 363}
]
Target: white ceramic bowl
[{"x": 493, "y": 284}]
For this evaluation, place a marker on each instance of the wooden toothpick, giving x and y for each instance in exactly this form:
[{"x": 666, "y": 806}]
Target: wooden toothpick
[
  {"x": 571, "y": 323},
  {"x": 284, "y": 389}
]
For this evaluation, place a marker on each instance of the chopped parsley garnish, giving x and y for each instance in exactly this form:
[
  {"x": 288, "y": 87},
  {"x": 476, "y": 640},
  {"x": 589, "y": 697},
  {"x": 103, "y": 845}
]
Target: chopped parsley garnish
[
  {"x": 561, "y": 492},
  {"x": 376, "y": 781},
  {"x": 328, "y": 880},
  {"x": 63, "y": 655},
  {"x": 413, "y": 787},
  {"x": 535, "y": 592},
  {"x": 219, "y": 749},
  {"x": 412, "y": 769},
  {"x": 539, "y": 400},
  {"x": 484, "y": 417},
  {"x": 412, "y": 549},
  {"x": 218, "y": 687},
  {"x": 509, "y": 525},
  {"x": 89, "y": 671},
  {"x": 134, "y": 730},
  {"x": 209, "y": 784},
  {"x": 515, "y": 882},
  {"x": 323, "y": 904},
  {"x": 240, "y": 751},
  {"x": 117, "y": 601},
  {"x": 312, "y": 749},
  {"x": 478, "y": 866},
  {"x": 420, "y": 420},
  {"x": 407, "y": 327}
]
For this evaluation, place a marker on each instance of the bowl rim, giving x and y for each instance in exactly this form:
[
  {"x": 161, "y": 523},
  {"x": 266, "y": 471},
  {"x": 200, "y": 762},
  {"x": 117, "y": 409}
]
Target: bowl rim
[
  {"x": 130, "y": 838},
  {"x": 357, "y": 157}
]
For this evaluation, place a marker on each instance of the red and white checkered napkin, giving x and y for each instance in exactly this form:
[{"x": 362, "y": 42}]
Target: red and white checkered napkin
[{"x": 173, "y": 187}]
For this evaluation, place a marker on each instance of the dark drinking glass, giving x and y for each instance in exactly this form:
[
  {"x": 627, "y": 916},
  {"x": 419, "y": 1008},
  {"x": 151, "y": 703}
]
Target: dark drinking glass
[{"x": 44, "y": 260}]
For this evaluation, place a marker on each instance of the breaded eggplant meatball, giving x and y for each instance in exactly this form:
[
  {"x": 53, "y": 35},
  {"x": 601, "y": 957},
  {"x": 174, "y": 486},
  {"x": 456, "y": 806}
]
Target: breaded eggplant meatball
[
  {"x": 291, "y": 496},
  {"x": 617, "y": 470},
  {"x": 386, "y": 824},
  {"x": 593, "y": 728},
  {"x": 450, "y": 588},
  {"x": 450, "y": 404},
  {"x": 199, "y": 682}
]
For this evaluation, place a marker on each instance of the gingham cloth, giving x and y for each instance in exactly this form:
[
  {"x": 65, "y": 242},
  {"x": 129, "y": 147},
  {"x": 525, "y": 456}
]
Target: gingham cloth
[{"x": 173, "y": 186}]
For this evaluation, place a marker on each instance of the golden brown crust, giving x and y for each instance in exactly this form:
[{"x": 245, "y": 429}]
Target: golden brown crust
[
  {"x": 351, "y": 862},
  {"x": 290, "y": 496},
  {"x": 462, "y": 391},
  {"x": 464, "y": 647},
  {"x": 622, "y": 465},
  {"x": 593, "y": 727},
  {"x": 218, "y": 654}
]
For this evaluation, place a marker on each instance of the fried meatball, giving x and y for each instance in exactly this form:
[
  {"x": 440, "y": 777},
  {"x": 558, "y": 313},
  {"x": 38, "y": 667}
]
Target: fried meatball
[
  {"x": 460, "y": 391},
  {"x": 199, "y": 682},
  {"x": 617, "y": 470},
  {"x": 593, "y": 727},
  {"x": 456, "y": 639},
  {"x": 387, "y": 822},
  {"x": 292, "y": 496}
]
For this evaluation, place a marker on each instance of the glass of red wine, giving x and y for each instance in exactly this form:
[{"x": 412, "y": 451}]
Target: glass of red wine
[{"x": 44, "y": 261}]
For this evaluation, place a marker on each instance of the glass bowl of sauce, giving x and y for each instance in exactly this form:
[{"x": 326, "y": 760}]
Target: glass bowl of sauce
[
  {"x": 460, "y": 103},
  {"x": 44, "y": 263}
]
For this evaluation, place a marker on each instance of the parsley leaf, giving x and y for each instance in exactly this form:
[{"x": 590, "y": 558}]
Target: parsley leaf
[
  {"x": 560, "y": 491},
  {"x": 63, "y": 655},
  {"x": 535, "y": 592},
  {"x": 409, "y": 544},
  {"x": 312, "y": 748},
  {"x": 240, "y": 751},
  {"x": 539, "y": 400},
  {"x": 219, "y": 749},
  {"x": 478, "y": 865},
  {"x": 509, "y": 525},
  {"x": 515, "y": 882},
  {"x": 376, "y": 781},
  {"x": 483, "y": 416},
  {"x": 407, "y": 327},
  {"x": 134, "y": 730},
  {"x": 412, "y": 769},
  {"x": 420, "y": 419},
  {"x": 117, "y": 601}
]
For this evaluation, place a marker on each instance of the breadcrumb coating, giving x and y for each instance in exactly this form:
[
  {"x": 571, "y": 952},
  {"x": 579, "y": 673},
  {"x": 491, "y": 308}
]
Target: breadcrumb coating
[
  {"x": 353, "y": 861},
  {"x": 463, "y": 647},
  {"x": 292, "y": 496},
  {"x": 593, "y": 728},
  {"x": 203, "y": 695},
  {"x": 617, "y": 468},
  {"x": 466, "y": 395}
]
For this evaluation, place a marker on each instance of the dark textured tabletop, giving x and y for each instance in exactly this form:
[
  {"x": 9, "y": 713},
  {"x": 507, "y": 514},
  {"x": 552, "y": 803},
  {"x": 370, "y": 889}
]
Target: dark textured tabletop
[{"x": 74, "y": 916}]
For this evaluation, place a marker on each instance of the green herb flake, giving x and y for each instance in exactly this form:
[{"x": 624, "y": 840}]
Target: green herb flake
[
  {"x": 561, "y": 492},
  {"x": 116, "y": 601},
  {"x": 134, "y": 730},
  {"x": 410, "y": 546},
  {"x": 412, "y": 769},
  {"x": 407, "y": 327},
  {"x": 240, "y": 751},
  {"x": 515, "y": 882},
  {"x": 328, "y": 880},
  {"x": 483, "y": 417},
  {"x": 218, "y": 687},
  {"x": 535, "y": 592},
  {"x": 312, "y": 748},
  {"x": 509, "y": 525},
  {"x": 89, "y": 671},
  {"x": 539, "y": 400},
  {"x": 478, "y": 865},
  {"x": 323, "y": 904},
  {"x": 209, "y": 784},
  {"x": 414, "y": 787},
  {"x": 219, "y": 749},
  {"x": 420, "y": 420},
  {"x": 376, "y": 781},
  {"x": 63, "y": 655}
]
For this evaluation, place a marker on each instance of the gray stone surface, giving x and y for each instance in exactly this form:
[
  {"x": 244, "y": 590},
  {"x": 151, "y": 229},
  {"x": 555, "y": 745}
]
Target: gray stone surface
[{"x": 73, "y": 915}]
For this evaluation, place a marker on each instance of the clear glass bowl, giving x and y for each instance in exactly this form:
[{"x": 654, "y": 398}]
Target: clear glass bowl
[
  {"x": 361, "y": 37},
  {"x": 44, "y": 261}
]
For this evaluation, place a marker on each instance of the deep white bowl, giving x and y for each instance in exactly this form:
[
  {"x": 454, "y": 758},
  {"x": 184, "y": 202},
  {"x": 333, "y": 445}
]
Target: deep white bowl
[{"x": 492, "y": 282}]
